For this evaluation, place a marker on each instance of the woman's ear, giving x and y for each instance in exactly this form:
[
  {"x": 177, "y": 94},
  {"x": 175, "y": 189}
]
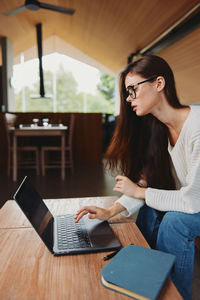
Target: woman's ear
[{"x": 160, "y": 83}]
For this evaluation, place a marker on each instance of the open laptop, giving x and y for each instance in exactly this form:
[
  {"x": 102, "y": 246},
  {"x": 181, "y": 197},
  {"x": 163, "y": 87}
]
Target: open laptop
[{"x": 61, "y": 234}]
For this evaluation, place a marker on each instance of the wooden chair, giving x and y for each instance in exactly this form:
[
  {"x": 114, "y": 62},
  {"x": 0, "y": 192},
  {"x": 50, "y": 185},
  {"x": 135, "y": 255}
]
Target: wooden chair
[
  {"x": 46, "y": 163},
  {"x": 23, "y": 162}
]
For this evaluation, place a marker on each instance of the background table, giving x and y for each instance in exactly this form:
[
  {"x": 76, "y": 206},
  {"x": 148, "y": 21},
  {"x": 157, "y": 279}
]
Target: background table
[
  {"x": 30, "y": 271},
  {"x": 38, "y": 131}
]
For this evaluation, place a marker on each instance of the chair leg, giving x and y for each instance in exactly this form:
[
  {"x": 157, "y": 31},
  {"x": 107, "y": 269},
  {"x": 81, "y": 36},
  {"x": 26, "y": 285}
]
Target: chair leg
[
  {"x": 37, "y": 163},
  {"x": 43, "y": 162},
  {"x": 71, "y": 161},
  {"x": 9, "y": 163}
]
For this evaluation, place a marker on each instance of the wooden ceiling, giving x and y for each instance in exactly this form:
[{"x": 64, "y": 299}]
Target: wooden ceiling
[{"x": 108, "y": 31}]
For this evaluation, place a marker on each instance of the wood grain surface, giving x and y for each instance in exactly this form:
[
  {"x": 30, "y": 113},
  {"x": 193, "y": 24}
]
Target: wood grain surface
[
  {"x": 30, "y": 272},
  {"x": 12, "y": 217}
]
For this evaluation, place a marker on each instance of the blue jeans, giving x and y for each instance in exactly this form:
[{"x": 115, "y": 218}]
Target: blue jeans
[{"x": 173, "y": 233}]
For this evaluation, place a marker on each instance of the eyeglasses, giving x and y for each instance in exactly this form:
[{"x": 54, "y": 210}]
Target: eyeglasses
[{"x": 131, "y": 91}]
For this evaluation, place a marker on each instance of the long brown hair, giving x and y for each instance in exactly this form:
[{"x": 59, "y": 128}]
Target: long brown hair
[{"x": 139, "y": 147}]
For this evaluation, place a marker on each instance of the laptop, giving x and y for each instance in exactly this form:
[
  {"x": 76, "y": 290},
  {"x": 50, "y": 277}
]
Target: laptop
[{"x": 61, "y": 234}]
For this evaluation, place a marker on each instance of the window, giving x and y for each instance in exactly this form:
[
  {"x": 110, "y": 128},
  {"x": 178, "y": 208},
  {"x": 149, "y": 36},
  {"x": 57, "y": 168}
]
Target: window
[{"x": 70, "y": 86}]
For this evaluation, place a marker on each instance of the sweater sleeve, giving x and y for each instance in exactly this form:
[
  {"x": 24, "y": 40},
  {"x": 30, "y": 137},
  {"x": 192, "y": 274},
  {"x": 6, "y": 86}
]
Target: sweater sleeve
[
  {"x": 187, "y": 198},
  {"x": 131, "y": 204}
]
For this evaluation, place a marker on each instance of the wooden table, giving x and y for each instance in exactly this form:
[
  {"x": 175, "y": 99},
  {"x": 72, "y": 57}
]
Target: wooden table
[
  {"x": 29, "y": 271},
  {"x": 38, "y": 131}
]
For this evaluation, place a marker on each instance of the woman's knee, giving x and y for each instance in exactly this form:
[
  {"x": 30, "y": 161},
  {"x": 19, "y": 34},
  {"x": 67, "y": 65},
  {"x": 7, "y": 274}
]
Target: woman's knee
[
  {"x": 174, "y": 231},
  {"x": 174, "y": 222},
  {"x": 180, "y": 223}
]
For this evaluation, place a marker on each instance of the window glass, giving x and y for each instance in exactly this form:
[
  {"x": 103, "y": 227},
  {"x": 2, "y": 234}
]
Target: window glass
[{"x": 70, "y": 86}]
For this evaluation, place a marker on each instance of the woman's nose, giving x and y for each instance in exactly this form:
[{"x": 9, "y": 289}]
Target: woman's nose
[{"x": 129, "y": 99}]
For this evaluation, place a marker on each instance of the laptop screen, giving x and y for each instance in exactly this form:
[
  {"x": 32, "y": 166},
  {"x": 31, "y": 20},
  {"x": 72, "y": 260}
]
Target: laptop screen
[{"x": 36, "y": 211}]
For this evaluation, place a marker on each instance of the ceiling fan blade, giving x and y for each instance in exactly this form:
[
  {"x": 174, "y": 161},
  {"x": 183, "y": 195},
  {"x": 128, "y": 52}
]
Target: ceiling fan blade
[
  {"x": 57, "y": 8},
  {"x": 15, "y": 11}
]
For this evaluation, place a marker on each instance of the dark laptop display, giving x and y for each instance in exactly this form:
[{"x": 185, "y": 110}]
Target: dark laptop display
[{"x": 61, "y": 234}]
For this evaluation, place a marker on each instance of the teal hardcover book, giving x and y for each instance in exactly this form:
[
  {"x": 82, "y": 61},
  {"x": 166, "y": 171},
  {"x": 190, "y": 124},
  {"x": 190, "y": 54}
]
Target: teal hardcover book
[{"x": 138, "y": 272}]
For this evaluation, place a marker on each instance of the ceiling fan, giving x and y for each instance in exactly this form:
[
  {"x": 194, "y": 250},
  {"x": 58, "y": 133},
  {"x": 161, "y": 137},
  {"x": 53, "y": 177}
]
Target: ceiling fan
[{"x": 36, "y": 5}]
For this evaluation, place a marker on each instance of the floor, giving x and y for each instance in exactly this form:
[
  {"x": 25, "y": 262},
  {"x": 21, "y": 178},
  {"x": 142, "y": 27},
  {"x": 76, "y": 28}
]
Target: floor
[{"x": 88, "y": 180}]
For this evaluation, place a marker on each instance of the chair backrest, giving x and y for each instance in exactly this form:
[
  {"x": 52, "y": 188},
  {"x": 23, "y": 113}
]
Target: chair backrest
[
  {"x": 10, "y": 119},
  {"x": 4, "y": 130},
  {"x": 9, "y": 122},
  {"x": 71, "y": 129},
  {"x": 6, "y": 121}
]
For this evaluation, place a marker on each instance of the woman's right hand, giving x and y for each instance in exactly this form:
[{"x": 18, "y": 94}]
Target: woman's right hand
[
  {"x": 100, "y": 213},
  {"x": 94, "y": 212}
]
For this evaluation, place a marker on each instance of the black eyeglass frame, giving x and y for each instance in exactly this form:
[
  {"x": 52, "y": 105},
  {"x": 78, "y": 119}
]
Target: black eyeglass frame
[{"x": 132, "y": 87}]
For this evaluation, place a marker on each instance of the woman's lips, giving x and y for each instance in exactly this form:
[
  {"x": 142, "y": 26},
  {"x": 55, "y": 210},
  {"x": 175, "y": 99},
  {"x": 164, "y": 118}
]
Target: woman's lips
[{"x": 134, "y": 107}]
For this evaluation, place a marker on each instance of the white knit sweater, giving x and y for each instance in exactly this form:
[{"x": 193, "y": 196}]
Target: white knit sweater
[{"x": 185, "y": 157}]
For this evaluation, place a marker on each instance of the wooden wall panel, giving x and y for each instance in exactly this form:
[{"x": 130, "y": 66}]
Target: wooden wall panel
[
  {"x": 184, "y": 59},
  {"x": 88, "y": 138}
]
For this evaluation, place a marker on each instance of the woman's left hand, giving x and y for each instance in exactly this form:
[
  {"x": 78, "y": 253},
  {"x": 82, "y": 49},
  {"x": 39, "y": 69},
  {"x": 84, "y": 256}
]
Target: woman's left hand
[{"x": 125, "y": 186}]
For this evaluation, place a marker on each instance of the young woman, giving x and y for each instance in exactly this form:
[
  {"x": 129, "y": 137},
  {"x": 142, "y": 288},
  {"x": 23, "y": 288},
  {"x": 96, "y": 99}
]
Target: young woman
[{"x": 156, "y": 150}]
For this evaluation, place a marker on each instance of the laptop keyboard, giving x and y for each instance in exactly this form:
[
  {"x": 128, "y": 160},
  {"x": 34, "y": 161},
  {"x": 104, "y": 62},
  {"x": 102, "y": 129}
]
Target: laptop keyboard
[{"x": 71, "y": 235}]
